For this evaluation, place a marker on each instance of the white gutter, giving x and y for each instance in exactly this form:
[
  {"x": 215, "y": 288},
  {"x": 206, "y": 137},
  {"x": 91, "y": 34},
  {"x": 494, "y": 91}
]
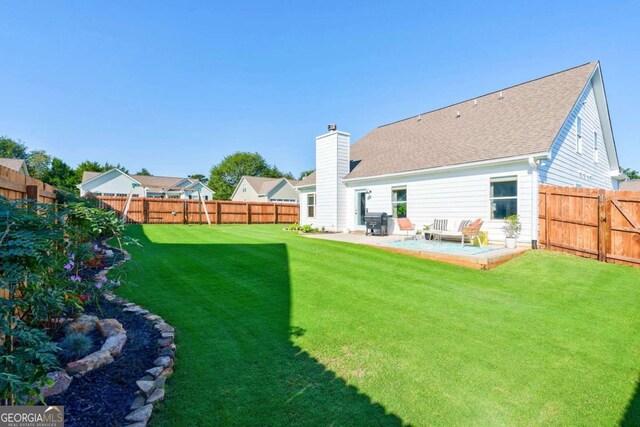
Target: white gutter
[
  {"x": 541, "y": 155},
  {"x": 619, "y": 176}
]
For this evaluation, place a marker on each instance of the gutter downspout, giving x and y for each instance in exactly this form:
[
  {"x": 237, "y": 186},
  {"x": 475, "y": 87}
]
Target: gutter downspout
[{"x": 534, "y": 201}]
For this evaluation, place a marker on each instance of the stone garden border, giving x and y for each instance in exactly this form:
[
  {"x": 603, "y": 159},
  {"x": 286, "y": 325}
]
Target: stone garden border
[{"x": 151, "y": 386}]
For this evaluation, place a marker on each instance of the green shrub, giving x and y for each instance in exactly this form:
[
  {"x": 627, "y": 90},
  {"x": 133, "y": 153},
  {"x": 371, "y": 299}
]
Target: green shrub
[
  {"x": 75, "y": 346},
  {"x": 42, "y": 250},
  {"x": 308, "y": 229},
  {"x": 293, "y": 227}
]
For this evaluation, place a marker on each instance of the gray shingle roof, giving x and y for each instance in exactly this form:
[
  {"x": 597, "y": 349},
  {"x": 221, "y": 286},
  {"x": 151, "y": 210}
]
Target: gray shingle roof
[
  {"x": 152, "y": 182},
  {"x": 263, "y": 185},
  {"x": 307, "y": 180},
  {"x": 13, "y": 164},
  {"x": 525, "y": 121}
]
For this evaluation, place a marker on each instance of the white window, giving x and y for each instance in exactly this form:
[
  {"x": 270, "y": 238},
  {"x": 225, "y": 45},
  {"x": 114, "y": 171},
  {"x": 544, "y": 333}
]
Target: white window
[
  {"x": 311, "y": 205},
  {"x": 503, "y": 197},
  {"x": 244, "y": 189},
  {"x": 579, "y": 136},
  {"x": 595, "y": 147},
  {"x": 399, "y": 202}
]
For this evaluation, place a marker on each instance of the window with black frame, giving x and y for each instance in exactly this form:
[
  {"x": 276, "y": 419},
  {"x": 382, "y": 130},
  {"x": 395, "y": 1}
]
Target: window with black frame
[
  {"x": 399, "y": 202},
  {"x": 504, "y": 197}
]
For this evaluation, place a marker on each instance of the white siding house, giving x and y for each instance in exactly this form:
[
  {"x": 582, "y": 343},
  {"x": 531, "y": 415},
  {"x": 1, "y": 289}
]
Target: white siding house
[
  {"x": 482, "y": 158},
  {"x": 267, "y": 190},
  {"x": 115, "y": 182}
]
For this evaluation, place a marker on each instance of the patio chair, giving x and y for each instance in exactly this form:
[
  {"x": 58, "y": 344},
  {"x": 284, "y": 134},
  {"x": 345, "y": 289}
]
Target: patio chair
[
  {"x": 405, "y": 225},
  {"x": 473, "y": 231}
]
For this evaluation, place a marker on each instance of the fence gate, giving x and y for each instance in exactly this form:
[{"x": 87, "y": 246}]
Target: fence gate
[{"x": 591, "y": 223}]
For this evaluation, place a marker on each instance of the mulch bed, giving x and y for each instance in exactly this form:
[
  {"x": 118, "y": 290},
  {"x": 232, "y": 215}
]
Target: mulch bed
[{"x": 103, "y": 397}]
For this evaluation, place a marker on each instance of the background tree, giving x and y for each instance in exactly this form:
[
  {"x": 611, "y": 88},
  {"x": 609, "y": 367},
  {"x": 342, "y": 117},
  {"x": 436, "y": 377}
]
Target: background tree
[
  {"x": 225, "y": 175},
  {"x": 12, "y": 149},
  {"x": 632, "y": 174},
  {"x": 38, "y": 163},
  {"x": 61, "y": 176},
  {"x": 87, "y": 166},
  {"x": 90, "y": 166},
  {"x": 306, "y": 173},
  {"x": 143, "y": 171},
  {"x": 199, "y": 177}
]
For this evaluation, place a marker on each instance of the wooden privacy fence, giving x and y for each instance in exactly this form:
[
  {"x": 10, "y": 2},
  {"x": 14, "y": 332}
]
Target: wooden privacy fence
[
  {"x": 146, "y": 210},
  {"x": 592, "y": 223},
  {"x": 14, "y": 185}
]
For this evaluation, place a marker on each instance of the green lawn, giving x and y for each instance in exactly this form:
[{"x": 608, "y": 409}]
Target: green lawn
[{"x": 277, "y": 329}]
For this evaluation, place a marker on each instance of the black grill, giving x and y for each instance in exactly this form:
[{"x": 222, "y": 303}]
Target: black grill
[{"x": 376, "y": 223}]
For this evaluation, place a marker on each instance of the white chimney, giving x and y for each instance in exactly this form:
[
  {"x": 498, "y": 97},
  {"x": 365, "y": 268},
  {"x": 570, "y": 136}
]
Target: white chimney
[{"x": 332, "y": 164}]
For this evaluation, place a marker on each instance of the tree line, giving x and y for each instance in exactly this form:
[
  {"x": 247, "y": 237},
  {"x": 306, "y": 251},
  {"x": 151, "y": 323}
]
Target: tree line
[
  {"x": 223, "y": 176},
  {"x": 54, "y": 170}
]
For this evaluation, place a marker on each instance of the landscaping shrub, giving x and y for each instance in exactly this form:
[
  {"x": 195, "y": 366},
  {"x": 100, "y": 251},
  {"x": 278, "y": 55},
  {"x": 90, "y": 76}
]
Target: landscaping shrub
[
  {"x": 45, "y": 250},
  {"x": 75, "y": 346}
]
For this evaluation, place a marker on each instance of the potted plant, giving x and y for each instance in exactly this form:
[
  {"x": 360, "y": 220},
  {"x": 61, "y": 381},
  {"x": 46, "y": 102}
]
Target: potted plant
[
  {"x": 427, "y": 234},
  {"x": 512, "y": 228}
]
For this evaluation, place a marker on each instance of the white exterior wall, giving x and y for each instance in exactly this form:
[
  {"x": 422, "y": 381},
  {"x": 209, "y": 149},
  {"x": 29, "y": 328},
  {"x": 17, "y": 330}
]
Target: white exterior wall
[
  {"x": 304, "y": 218},
  {"x": 567, "y": 167},
  {"x": 113, "y": 182},
  {"x": 284, "y": 191},
  {"x": 249, "y": 195},
  {"x": 459, "y": 194},
  {"x": 332, "y": 164}
]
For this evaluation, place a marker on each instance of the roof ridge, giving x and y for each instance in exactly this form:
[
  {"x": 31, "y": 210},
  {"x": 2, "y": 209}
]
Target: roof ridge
[
  {"x": 488, "y": 93},
  {"x": 160, "y": 176}
]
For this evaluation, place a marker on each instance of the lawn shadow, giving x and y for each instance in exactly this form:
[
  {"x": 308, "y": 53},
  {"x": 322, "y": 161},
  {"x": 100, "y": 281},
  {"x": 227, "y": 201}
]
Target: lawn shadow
[
  {"x": 632, "y": 413},
  {"x": 234, "y": 341}
]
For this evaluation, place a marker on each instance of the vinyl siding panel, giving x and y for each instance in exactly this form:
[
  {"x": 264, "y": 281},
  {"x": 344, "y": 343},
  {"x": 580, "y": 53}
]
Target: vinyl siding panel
[
  {"x": 332, "y": 164},
  {"x": 250, "y": 195},
  {"x": 569, "y": 168},
  {"x": 452, "y": 195},
  {"x": 284, "y": 191},
  {"x": 111, "y": 183}
]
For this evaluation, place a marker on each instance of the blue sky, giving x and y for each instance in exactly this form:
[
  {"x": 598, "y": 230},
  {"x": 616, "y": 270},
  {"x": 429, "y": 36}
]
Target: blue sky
[{"x": 175, "y": 86}]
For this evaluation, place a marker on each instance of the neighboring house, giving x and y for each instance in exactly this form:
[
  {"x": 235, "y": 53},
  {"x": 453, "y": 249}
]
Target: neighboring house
[
  {"x": 631, "y": 185},
  {"x": 259, "y": 189},
  {"x": 17, "y": 165},
  {"x": 480, "y": 158},
  {"x": 114, "y": 182}
]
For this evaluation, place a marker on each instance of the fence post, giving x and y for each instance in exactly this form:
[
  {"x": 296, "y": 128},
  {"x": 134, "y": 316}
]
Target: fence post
[
  {"x": 32, "y": 192},
  {"x": 601, "y": 225},
  {"x": 248, "y": 213},
  {"x": 275, "y": 213},
  {"x": 607, "y": 226},
  {"x": 185, "y": 208},
  {"x": 145, "y": 211},
  {"x": 547, "y": 220},
  {"x": 218, "y": 213}
]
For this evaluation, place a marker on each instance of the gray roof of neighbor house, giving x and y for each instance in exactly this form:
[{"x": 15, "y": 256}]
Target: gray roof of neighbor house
[
  {"x": 307, "y": 180},
  {"x": 526, "y": 120},
  {"x": 152, "y": 182},
  {"x": 632, "y": 185},
  {"x": 13, "y": 164},
  {"x": 264, "y": 185}
]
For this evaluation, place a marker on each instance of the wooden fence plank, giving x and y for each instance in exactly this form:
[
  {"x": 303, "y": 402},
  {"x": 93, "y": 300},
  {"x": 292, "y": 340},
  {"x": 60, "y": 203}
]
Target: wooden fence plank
[
  {"x": 181, "y": 211},
  {"x": 591, "y": 223}
]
